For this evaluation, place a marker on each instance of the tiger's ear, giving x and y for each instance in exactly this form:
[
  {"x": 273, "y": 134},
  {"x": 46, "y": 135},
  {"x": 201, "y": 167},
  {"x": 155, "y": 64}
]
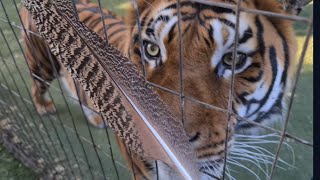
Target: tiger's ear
[
  {"x": 143, "y": 4},
  {"x": 294, "y": 7}
]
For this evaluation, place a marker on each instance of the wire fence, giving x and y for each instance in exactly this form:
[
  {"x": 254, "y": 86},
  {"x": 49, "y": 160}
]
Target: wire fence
[{"x": 64, "y": 144}]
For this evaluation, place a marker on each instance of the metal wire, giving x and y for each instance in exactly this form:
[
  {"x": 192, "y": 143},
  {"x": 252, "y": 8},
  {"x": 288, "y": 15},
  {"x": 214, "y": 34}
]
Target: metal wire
[
  {"x": 231, "y": 91},
  {"x": 19, "y": 107},
  {"x": 182, "y": 96},
  {"x": 136, "y": 10},
  {"x": 4, "y": 108},
  {"x": 62, "y": 146},
  {"x": 15, "y": 102},
  {"x": 103, "y": 22},
  {"x": 23, "y": 124}
]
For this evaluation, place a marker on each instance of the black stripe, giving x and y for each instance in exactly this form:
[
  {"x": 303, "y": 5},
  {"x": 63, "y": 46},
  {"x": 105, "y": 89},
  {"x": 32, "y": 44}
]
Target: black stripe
[
  {"x": 246, "y": 36},
  {"x": 242, "y": 97},
  {"x": 205, "y": 156},
  {"x": 255, "y": 65},
  {"x": 186, "y": 29},
  {"x": 149, "y": 22},
  {"x": 210, "y": 32},
  {"x": 171, "y": 33},
  {"x": 227, "y": 22},
  {"x": 116, "y": 32},
  {"x": 200, "y": 6},
  {"x": 137, "y": 51},
  {"x": 87, "y": 18},
  {"x": 206, "y": 41},
  {"x": 135, "y": 39},
  {"x": 234, "y": 108},
  {"x": 252, "y": 53},
  {"x": 254, "y": 79},
  {"x": 260, "y": 32},
  {"x": 143, "y": 21},
  {"x": 93, "y": 23},
  {"x": 148, "y": 165},
  {"x": 286, "y": 54},
  {"x": 161, "y": 18},
  {"x": 286, "y": 63},
  {"x": 109, "y": 26},
  {"x": 150, "y": 32},
  {"x": 274, "y": 69}
]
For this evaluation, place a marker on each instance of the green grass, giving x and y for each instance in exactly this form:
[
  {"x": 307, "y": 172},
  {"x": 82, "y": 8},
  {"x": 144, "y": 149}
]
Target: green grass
[
  {"x": 10, "y": 168},
  {"x": 300, "y": 120}
]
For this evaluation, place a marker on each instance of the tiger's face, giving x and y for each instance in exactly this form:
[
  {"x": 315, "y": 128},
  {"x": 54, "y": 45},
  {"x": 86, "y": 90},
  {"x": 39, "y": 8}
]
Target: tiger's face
[{"x": 263, "y": 61}]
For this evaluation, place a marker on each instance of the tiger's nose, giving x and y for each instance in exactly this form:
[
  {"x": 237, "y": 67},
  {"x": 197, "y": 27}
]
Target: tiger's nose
[{"x": 195, "y": 137}]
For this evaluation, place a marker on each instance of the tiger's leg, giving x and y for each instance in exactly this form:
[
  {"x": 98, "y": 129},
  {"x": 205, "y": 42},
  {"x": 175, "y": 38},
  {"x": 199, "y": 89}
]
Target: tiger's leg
[
  {"x": 39, "y": 63},
  {"x": 43, "y": 73},
  {"x": 42, "y": 103},
  {"x": 79, "y": 94},
  {"x": 93, "y": 117}
]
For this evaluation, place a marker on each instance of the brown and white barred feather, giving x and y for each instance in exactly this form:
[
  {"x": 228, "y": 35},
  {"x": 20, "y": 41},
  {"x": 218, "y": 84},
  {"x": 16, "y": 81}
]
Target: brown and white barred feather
[
  {"x": 46, "y": 68},
  {"x": 124, "y": 98},
  {"x": 40, "y": 62}
]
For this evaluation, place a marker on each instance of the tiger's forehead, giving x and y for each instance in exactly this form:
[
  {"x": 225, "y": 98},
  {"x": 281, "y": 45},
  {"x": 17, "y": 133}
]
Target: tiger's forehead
[
  {"x": 189, "y": 11},
  {"x": 164, "y": 15}
]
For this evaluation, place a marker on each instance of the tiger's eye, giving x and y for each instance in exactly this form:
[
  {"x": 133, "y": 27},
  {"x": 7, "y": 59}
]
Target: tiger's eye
[
  {"x": 240, "y": 57},
  {"x": 152, "y": 50},
  {"x": 227, "y": 59}
]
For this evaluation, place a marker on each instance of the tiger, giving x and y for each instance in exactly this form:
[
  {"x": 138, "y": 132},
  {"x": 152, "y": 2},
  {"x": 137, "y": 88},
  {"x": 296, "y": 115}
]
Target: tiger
[
  {"x": 263, "y": 70},
  {"x": 45, "y": 68}
]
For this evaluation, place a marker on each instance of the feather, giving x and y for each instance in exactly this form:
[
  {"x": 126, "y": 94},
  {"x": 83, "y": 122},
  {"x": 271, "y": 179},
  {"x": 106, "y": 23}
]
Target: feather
[{"x": 125, "y": 99}]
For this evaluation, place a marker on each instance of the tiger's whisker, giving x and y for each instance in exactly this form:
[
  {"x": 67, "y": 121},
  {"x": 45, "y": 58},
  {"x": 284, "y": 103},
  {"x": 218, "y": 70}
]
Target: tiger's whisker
[
  {"x": 257, "y": 148},
  {"x": 246, "y": 159},
  {"x": 250, "y": 154},
  {"x": 234, "y": 162},
  {"x": 229, "y": 174}
]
